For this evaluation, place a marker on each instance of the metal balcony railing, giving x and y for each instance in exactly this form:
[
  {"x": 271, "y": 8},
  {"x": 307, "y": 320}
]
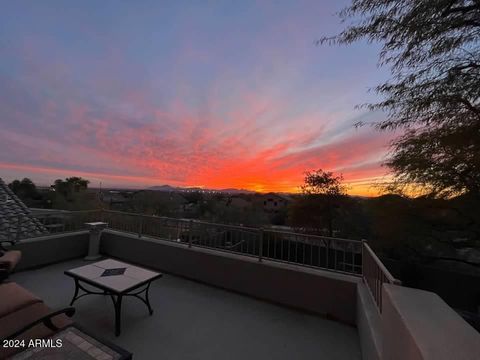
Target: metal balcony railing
[
  {"x": 375, "y": 274},
  {"x": 334, "y": 254},
  {"x": 341, "y": 255}
]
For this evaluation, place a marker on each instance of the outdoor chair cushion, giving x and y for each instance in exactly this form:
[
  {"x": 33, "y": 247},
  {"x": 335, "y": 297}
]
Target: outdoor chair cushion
[
  {"x": 13, "y": 298},
  {"x": 13, "y": 322},
  {"x": 10, "y": 259}
]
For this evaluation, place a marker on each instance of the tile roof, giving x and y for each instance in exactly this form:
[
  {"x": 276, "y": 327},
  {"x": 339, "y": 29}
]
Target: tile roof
[{"x": 11, "y": 210}]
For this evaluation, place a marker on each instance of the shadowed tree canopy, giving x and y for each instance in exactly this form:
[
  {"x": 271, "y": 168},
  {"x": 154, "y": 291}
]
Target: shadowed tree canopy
[
  {"x": 318, "y": 210},
  {"x": 445, "y": 161},
  {"x": 432, "y": 50},
  {"x": 25, "y": 189},
  {"x": 71, "y": 185},
  {"x": 321, "y": 182}
]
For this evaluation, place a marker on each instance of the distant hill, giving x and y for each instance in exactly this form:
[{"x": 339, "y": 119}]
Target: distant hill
[
  {"x": 163, "y": 188},
  {"x": 189, "y": 189}
]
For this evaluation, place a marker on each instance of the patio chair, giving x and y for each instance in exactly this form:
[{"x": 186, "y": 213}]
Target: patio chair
[
  {"x": 8, "y": 259},
  {"x": 24, "y": 318}
]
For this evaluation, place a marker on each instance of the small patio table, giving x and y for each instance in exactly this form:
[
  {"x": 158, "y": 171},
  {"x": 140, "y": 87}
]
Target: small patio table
[{"x": 116, "y": 279}]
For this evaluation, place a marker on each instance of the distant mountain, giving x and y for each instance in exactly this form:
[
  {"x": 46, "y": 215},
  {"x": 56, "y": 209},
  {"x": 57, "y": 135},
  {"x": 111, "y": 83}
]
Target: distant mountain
[
  {"x": 189, "y": 189},
  {"x": 163, "y": 188}
]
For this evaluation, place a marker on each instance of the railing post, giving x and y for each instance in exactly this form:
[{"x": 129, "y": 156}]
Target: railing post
[
  {"x": 260, "y": 244},
  {"x": 179, "y": 231},
  {"x": 140, "y": 226},
  {"x": 190, "y": 228},
  {"x": 363, "y": 257}
]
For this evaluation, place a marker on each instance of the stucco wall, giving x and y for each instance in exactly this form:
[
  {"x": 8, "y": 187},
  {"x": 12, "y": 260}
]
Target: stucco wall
[
  {"x": 51, "y": 249},
  {"x": 418, "y": 324},
  {"x": 326, "y": 293},
  {"x": 414, "y": 324},
  {"x": 368, "y": 325}
]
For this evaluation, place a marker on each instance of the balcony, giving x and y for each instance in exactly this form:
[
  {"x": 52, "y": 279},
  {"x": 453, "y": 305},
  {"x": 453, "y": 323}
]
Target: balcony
[
  {"x": 196, "y": 321},
  {"x": 237, "y": 292}
]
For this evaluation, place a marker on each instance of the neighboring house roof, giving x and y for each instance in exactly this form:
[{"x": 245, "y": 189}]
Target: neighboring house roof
[{"x": 11, "y": 209}]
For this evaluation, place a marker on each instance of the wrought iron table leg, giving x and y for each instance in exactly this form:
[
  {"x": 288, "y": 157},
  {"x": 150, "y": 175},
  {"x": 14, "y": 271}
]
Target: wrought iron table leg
[
  {"x": 116, "y": 299},
  {"x": 75, "y": 293},
  {"x": 150, "y": 310},
  {"x": 118, "y": 314}
]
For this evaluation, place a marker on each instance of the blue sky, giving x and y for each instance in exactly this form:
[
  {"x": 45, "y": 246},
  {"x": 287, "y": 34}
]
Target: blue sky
[{"x": 214, "y": 94}]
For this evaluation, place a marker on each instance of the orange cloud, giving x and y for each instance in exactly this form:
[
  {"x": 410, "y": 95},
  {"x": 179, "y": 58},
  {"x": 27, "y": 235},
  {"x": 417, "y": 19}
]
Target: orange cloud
[
  {"x": 244, "y": 133},
  {"x": 241, "y": 151}
]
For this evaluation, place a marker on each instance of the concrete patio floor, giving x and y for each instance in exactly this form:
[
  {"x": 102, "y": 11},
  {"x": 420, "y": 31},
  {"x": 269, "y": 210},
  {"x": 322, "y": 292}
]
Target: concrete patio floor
[{"x": 197, "y": 321}]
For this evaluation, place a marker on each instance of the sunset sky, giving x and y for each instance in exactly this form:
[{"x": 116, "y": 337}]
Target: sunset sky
[{"x": 215, "y": 94}]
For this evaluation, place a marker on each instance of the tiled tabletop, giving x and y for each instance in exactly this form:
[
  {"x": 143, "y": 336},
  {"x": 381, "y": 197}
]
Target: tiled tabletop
[{"x": 113, "y": 274}]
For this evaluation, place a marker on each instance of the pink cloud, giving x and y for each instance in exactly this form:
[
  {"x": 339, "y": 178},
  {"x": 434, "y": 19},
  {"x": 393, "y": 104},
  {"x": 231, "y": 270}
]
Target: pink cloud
[{"x": 245, "y": 132}]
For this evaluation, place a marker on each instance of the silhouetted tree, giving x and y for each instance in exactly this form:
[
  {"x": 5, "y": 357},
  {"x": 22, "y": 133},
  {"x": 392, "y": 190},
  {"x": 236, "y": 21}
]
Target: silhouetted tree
[
  {"x": 317, "y": 209},
  {"x": 195, "y": 197},
  {"x": 321, "y": 182},
  {"x": 444, "y": 161},
  {"x": 77, "y": 183},
  {"x": 70, "y": 185},
  {"x": 71, "y": 194},
  {"x": 26, "y": 190},
  {"x": 432, "y": 50}
]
